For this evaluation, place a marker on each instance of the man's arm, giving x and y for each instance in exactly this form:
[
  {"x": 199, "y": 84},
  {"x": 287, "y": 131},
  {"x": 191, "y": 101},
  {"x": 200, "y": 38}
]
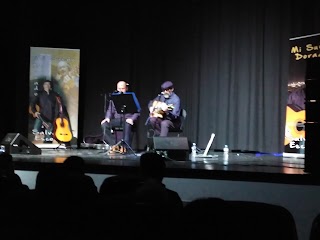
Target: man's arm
[
  {"x": 34, "y": 106},
  {"x": 111, "y": 110},
  {"x": 175, "y": 112}
]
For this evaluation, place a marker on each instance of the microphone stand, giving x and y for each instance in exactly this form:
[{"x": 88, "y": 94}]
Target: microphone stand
[{"x": 105, "y": 111}]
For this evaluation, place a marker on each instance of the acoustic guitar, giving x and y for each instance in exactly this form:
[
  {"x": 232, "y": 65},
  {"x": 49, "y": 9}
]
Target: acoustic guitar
[
  {"x": 62, "y": 131},
  {"x": 157, "y": 109},
  {"x": 295, "y": 125}
]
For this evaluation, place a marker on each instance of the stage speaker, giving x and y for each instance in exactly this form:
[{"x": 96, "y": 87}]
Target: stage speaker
[
  {"x": 177, "y": 148},
  {"x": 15, "y": 143}
]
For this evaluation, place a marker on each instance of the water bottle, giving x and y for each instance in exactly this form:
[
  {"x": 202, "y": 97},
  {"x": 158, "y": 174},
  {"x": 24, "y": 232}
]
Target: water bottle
[
  {"x": 226, "y": 149},
  {"x": 2, "y": 148},
  {"x": 194, "y": 149}
]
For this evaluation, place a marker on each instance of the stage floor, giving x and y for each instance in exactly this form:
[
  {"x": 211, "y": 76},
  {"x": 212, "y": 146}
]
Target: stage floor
[{"x": 233, "y": 166}]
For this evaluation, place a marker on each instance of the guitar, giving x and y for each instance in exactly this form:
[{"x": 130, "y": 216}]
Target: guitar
[
  {"x": 295, "y": 128},
  {"x": 157, "y": 109},
  {"x": 62, "y": 131},
  {"x": 47, "y": 125}
]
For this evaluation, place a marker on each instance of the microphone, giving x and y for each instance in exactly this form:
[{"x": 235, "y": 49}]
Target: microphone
[{"x": 115, "y": 91}]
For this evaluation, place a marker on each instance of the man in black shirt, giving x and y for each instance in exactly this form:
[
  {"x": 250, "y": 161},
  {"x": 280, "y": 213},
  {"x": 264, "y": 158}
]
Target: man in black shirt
[{"x": 45, "y": 109}]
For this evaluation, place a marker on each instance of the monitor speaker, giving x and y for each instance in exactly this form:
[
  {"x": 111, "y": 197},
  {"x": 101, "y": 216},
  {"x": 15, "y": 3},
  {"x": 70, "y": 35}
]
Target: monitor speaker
[
  {"x": 177, "y": 148},
  {"x": 15, "y": 143}
]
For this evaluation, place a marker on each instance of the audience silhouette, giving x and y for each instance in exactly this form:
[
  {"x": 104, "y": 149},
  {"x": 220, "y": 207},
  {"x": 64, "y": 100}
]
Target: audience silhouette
[
  {"x": 71, "y": 195},
  {"x": 153, "y": 191},
  {"x": 15, "y": 202},
  {"x": 10, "y": 182},
  {"x": 229, "y": 220},
  {"x": 137, "y": 206}
]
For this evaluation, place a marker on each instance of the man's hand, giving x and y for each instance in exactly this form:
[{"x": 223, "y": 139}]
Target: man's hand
[{"x": 164, "y": 107}]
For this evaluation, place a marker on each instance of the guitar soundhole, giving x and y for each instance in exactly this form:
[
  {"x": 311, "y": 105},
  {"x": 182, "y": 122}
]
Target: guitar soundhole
[{"x": 300, "y": 126}]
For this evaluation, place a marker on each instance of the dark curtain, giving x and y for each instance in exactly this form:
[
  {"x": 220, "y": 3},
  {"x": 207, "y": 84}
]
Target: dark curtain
[{"x": 228, "y": 61}]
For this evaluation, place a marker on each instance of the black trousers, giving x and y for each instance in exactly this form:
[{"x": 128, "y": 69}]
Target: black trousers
[{"x": 109, "y": 136}]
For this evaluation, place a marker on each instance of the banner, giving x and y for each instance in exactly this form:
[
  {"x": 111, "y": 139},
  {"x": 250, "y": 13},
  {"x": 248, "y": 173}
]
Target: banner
[
  {"x": 53, "y": 96},
  {"x": 302, "y": 48}
]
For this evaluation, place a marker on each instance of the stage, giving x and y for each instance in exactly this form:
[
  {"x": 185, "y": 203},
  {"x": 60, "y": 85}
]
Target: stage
[{"x": 236, "y": 166}]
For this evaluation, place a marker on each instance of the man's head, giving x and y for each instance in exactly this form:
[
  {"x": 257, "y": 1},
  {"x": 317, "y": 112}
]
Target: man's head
[
  {"x": 47, "y": 85},
  {"x": 122, "y": 86},
  {"x": 63, "y": 67},
  {"x": 167, "y": 88}
]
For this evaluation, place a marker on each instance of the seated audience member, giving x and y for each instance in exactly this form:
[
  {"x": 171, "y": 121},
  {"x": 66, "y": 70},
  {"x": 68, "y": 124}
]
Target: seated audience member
[
  {"x": 10, "y": 182},
  {"x": 152, "y": 190}
]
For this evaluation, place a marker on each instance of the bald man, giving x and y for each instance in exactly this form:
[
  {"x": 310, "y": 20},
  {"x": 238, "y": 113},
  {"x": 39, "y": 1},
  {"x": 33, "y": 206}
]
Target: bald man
[{"x": 114, "y": 119}]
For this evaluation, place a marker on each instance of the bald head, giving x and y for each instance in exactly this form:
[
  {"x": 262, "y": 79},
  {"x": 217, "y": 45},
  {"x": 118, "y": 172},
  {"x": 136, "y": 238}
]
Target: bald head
[{"x": 122, "y": 86}]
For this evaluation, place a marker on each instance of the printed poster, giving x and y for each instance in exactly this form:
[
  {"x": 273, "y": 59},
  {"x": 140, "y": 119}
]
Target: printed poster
[
  {"x": 53, "y": 96},
  {"x": 302, "y": 49}
]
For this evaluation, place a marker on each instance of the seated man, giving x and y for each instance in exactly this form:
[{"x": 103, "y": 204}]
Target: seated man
[
  {"x": 165, "y": 110},
  {"x": 114, "y": 119}
]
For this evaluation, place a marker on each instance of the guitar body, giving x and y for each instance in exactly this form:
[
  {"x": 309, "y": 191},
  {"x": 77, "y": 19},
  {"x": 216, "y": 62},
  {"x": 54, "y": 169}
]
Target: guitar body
[
  {"x": 294, "y": 125},
  {"x": 62, "y": 132},
  {"x": 157, "y": 109}
]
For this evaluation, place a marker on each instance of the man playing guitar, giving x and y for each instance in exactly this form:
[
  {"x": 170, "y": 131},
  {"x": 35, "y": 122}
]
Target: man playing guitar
[{"x": 165, "y": 110}]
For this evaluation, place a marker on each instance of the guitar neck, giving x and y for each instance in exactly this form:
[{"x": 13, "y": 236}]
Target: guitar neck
[{"x": 45, "y": 124}]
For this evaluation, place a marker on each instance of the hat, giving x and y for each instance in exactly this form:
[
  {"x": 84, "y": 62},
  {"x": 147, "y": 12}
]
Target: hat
[{"x": 166, "y": 85}]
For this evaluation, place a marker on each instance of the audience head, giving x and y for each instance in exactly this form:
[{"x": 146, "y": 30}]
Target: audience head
[
  {"x": 6, "y": 164},
  {"x": 74, "y": 164},
  {"x": 152, "y": 165}
]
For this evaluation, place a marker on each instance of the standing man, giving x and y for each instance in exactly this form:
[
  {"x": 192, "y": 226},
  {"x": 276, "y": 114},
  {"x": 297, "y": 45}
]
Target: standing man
[
  {"x": 165, "y": 110},
  {"x": 115, "y": 119},
  {"x": 45, "y": 110}
]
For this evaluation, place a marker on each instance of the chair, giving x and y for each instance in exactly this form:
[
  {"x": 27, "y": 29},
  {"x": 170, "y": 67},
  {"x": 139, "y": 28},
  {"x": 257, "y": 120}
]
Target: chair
[
  {"x": 183, "y": 116},
  {"x": 232, "y": 219},
  {"x": 118, "y": 133},
  {"x": 315, "y": 228}
]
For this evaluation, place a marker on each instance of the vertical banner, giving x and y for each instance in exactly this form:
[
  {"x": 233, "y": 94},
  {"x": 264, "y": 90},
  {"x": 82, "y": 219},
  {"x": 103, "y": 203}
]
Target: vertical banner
[
  {"x": 302, "y": 48},
  {"x": 53, "y": 96}
]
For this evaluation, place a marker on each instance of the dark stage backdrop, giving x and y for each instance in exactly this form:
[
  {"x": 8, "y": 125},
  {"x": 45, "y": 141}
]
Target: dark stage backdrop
[{"x": 228, "y": 61}]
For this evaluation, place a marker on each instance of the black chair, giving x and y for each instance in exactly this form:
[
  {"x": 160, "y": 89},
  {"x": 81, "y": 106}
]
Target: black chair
[
  {"x": 118, "y": 132},
  {"x": 228, "y": 220},
  {"x": 315, "y": 228},
  {"x": 183, "y": 116}
]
